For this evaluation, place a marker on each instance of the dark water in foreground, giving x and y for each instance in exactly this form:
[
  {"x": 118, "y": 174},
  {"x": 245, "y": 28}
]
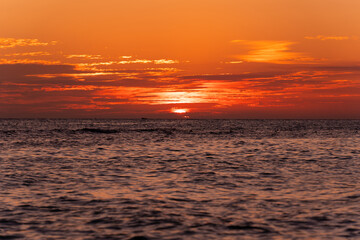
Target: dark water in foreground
[{"x": 194, "y": 179}]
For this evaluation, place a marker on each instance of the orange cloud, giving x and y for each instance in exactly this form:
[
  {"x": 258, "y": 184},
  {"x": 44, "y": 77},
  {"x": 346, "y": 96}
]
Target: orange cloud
[
  {"x": 30, "y": 54},
  {"x": 165, "y": 61},
  {"x": 84, "y": 56},
  {"x": 323, "y": 38},
  {"x": 27, "y": 61},
  {"x": 269, "y": 75},
  {"x": 56, "y": 88},
  {"x": 136, "y": 61},
  {"x": 14, "y": 42},
  {"x": 271, "y": 52}
]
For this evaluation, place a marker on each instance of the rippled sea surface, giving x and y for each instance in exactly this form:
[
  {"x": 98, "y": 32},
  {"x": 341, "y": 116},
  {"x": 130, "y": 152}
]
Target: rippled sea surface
[{"x": 179, "y": 179}]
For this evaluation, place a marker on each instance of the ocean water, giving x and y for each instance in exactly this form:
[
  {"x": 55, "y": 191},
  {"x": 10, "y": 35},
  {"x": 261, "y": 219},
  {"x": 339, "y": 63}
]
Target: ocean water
[{"x": 179, "y": 179}]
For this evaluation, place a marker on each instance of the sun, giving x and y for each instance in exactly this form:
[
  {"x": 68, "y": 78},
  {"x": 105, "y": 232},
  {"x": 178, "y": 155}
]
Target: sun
[{"x": 179, "y": 110}]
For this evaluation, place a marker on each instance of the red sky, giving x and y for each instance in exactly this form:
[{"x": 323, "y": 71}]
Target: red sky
[{"x": 152, "y": 58}]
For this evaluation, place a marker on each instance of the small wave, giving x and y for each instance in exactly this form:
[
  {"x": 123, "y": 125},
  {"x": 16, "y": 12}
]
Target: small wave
[
  {"x": 5, "y": 221},
  {"x": 161, "y": 130},
  {"x": 15, "y": 236},
  {"x": 250, "y": 227},
  {"x": 98, "y": 130},
  {"x": 141, "y": 130}
]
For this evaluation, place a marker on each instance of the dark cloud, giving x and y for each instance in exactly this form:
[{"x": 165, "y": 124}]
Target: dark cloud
[
  {"x": 354, "y": 68},
  {"x": 36, "y": 90},
  {"x": 11, "y": 71},
  {"x": 234, "y": 77}
]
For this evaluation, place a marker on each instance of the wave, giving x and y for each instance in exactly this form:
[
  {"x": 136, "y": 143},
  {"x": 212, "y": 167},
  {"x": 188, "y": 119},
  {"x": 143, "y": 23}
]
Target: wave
[{"x": 98, "y": 130}]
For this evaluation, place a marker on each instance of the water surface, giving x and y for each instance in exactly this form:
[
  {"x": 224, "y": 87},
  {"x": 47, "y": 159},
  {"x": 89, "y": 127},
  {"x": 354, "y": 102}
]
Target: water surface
[{"x": 179, "y": 179}]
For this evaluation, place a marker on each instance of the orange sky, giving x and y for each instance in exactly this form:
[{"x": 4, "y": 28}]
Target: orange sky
[{"x": 180, "y": 58}]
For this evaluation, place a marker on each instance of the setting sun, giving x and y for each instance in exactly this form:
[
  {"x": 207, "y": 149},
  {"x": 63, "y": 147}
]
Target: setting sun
[{"x": 179, "y": 110}]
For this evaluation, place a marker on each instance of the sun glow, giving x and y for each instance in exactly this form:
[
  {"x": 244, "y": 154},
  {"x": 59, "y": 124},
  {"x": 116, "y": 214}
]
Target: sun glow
[{"x": 179, "y": 110}]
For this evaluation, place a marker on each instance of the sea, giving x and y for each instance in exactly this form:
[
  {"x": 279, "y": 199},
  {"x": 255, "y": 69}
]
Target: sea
[{"x": 179, "y": 179}]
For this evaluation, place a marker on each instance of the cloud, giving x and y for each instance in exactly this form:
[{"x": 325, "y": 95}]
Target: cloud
[
  {"x": 26, "y": 54},
  {"x": 323, "y": 38},
  {"x": 339, "y": 68},
  {"x": 27, "y": 61},
  {"x": 59, "y": 89},
  {"x": 14, "y": 42},
  {"x": 86, "y": 56},
  {"x": 234, "y": 62},
  {"x": 233, "y": 77},
  {"x": 271, "y": 51},
  {"x": 9, "y": 71},
  {"x": 165, "y": 61},
  {"x": 126, "y": 62}
]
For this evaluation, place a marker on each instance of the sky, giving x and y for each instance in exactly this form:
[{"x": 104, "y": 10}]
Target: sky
[{"x": 237, "y": 59}]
